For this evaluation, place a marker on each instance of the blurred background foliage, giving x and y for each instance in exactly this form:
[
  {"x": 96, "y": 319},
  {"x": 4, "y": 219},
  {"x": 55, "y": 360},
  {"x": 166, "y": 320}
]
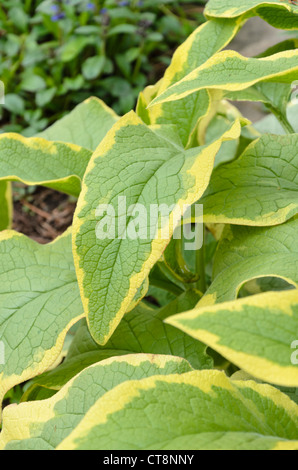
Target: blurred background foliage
[{"x": 54, "y": 54}]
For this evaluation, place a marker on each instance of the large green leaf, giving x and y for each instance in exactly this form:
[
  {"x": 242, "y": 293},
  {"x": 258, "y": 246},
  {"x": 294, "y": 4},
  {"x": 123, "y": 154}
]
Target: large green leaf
[
  {"x": 46, "y": 423},
  {"x": 259, "y": 188},
  {"x": 275, "y": 96},
  {"x": 245, "y": 253},
  {"x": 37, "y": 161},
  {"x": 136, "y": 163},
  {"x": 255, "y": 333},
  {"x": 229, "y": 71},
  {"x": 192, "y": 411},
  {"x": 39, "y": 301},
  {"x": 205, "y": 41},
  {"x": 282, "y": 14},
  {"x": 140, "y": 331},
  {"x": 86, "y": 125},
  {"x": 5, "y": 205}
]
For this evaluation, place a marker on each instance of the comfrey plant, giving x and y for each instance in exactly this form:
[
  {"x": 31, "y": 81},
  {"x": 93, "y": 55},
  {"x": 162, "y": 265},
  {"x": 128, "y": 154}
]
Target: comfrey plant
[{"x": 176, "y": 348}]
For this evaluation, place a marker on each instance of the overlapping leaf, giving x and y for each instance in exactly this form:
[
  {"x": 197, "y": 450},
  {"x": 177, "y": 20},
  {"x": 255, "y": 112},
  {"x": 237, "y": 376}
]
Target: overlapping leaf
[
  {"x": 245, "y": 253},
  {"x": 229, "y": 71},
  {"x": 274, "y": 95},
  {"x": 192, "y": 411},
  {"x": 228, "y": 150},
  {"x": 260, "y": 188},
  {"x": 292, "y": 392},
  {"x": 136, "y": 163},
  {"x": 255, "y": 333},
  {"x": 140, "y": 331},
  {"x": 37, "y": 161},
  {"x": 282, "y": 14},
  {"x": 205, "y": 41},
  {"x": 85, "y": 126},
  {"x": 39, "y": 301},
  {"x": 46, "y": 423}
]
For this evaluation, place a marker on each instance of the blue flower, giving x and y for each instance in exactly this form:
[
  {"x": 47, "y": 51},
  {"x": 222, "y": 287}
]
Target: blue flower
[
  {"x": 58, "y": 17},
  {"x": 123, "y": 3},
  {"x": 104, "y": 11},
  {"x": 90, "y": 6}
]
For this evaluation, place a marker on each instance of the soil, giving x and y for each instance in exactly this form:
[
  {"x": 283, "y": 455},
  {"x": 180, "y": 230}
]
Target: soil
[{"x": 42, "y": 215}]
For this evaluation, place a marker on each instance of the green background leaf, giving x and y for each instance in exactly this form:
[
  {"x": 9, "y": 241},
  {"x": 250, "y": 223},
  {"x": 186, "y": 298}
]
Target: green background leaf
[
  {"x": 35, "y": 161},
  {"x": 86, "y": 125}
]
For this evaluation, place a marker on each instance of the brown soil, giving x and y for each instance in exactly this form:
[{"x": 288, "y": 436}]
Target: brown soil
[{"x": 43, "y": 215}]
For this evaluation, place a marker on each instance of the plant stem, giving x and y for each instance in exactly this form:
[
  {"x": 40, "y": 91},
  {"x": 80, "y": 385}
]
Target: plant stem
[
  {"x": 200, "y": 266},
  {"x": 286, "y": 124},
  {"x": 282, "y": 118},
  {"x": 168, "y": 286}
]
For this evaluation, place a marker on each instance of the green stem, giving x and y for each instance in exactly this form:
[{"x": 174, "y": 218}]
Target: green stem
[
  {"x": 282, "y": 118},
  {"x": 200, "y": 267},
  {"x": 285, "y": 123},
  {"x": 168, "y": 286}
]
